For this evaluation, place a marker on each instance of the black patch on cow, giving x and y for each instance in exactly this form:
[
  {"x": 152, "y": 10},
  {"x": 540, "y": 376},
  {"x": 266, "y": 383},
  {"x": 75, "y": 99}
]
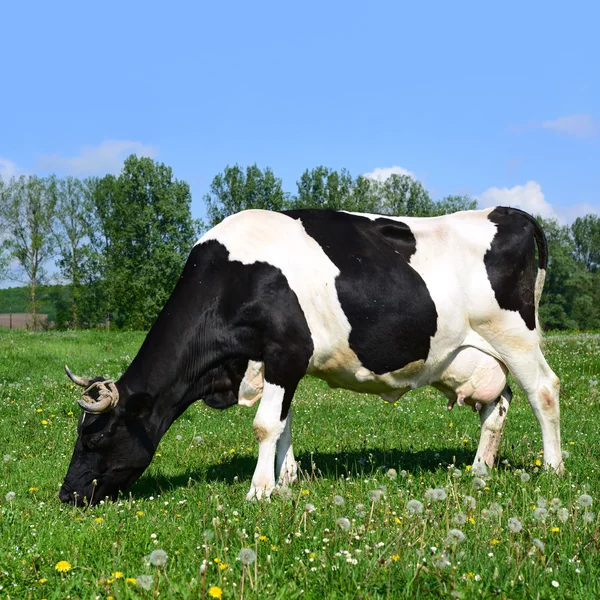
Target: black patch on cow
[
  {"x": 510, "y": 261},
  {"x": 386, "y": 301}
]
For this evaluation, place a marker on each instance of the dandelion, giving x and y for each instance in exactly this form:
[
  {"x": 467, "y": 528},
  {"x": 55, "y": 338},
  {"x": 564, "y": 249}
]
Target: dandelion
[
  {"x": 10, "y": 496},
  {"x": 435, "y": 494},
  {"x": 338, "y": 500},
  {"x": 514, "y": 525},
  {"x": 144, "y": 581},
  {"x": 215, "y": 592},
  {"x": 310, "y": 507},
  {"x": 460, "y": 518},
  {"x": 485, "y": 514},
  {"x": 208, "y": 535},
  {"x": 555, "y": 583},
  {"x": 62, "y": 566},
  {"x": 585, "y": 500},
  {"x": 542, "y": 502},
  {"x": 554, "y": 529},
  {"x": 247, "y": 556},
  {"x": 539, "y": 544},
  {"x": 478, "y": 483},
  {"x": 562, "y": 514},
  {"x": 540, "y": 514},
  {"x": 525, "y": 477},
  {"x": 285, "y": 493},
  {"x": 360, "y": 511},
  {"x": 131, "y": 580},
  {"x": 441, "y": 562},
  {"x": 403, "y": 473},
  {"x": 158, "y": 558},
  {"x": 455, "y": 536},
  {"x": 456, "y": 473},
  {"x": 588, "y": 517},
  {"x": 392, "y": 474},
  {"x": 414, "y": 507},
  {"x": 555, "y": 503},
  {"x": 343, "y": 523},
  {"x": 470, "y": 502},
  {"x": 565, "y": 454},
  {"x": 478, "y": 469},
  {"x": 117, "y": 574},
  {"x": 375, "y": 495},
  {"x": 495, "y": 509}
]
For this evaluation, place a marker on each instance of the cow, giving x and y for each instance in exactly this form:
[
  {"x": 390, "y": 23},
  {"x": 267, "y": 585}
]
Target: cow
[{"x": 371, "y": 303}]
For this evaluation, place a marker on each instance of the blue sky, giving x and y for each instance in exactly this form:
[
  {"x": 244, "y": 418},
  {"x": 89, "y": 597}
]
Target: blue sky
[{"x": 498, "y": 100}]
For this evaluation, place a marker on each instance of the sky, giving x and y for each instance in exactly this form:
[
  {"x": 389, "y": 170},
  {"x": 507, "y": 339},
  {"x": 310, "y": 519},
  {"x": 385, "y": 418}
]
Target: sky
[{"x": 500, "y": 101}]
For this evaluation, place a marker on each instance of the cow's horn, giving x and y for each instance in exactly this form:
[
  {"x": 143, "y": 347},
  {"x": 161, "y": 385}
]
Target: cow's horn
[
  {"x": 100, "y": 397},
  {"x": 84, "y": 381}
]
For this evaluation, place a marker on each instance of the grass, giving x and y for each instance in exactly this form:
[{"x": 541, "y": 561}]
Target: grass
[{"x": 190, "y": 503}]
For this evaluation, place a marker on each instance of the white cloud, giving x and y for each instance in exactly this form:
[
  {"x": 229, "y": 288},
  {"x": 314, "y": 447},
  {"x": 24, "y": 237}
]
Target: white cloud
[
  {"x": 8, "y": 169},
  {"x": 383, "y": 173},
  {"x": 582, "y": 125},
  {"x": 107, "y": 157},
  {"x": 528, "y": 197}
]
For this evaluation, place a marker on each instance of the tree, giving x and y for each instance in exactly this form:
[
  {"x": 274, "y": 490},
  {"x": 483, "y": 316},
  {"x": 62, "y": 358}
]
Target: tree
[
  {"x": 145, "y": 232},
  {"x": 401, "y": 195},
  {"x": 586, "y": 239},
  {"x": 322, "y": 187},
  {"x": 452, "y": 204},
  {"x": 28, "y": 210},
  {"x": 235, "y": 190},
  {"x": 73, "y": 214}
]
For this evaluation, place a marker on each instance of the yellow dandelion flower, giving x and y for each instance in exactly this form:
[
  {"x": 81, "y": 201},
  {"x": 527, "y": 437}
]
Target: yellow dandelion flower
[
  {"x": 274, "y": 548},
  {"x": 42, "y": 580},
  {"x": 62, "y": 566},
  {"x": 451, "y": 424},
  {"x": 158, "y": 454},
  {"x": 232, "y": 451},
  {"x": 139, "y": 513},
  {"x": 109, "y": 581},
  {"x": 495, "y": 541},
  {"x": 217, "y": 560},
  {"x": 33, "y": 489},
  {"x": 70, "y": 413},
  {"x": 215, "y": 592},
  {"x": 397, "y": 520},
  {"x": 468, "y": 468},
  {"x": 131, "y": 580},
  {"x": 109, "y": 598},
  {"x": 554, "y": 529},
  {"x": 44, "y": 422},
  {"x": 263, "y": 538},
  {"x": 117, "y": 574},
  {"x": 471, "y": 520},
  {"x": 223, "y": 566},
  {"x": 538, "y": 462},
  {"x": 396, "y": 557},
  {"x": 98, "y": 519},
  {"x": 39, "y": 410},
  {"x": 305, "y": 492}
]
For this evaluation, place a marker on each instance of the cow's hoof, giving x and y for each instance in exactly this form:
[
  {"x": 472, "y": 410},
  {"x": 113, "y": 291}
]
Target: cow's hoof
[{"x": 259, "y": 493}]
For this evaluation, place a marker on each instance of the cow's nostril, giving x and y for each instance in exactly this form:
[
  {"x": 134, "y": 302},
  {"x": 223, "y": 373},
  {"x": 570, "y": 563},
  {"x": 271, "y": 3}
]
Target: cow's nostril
[{"x": 65, "y": 496}]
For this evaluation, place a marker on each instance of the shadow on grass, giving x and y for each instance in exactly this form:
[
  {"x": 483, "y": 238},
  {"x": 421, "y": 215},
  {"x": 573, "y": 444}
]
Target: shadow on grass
[{"x": 320, "y": 464}]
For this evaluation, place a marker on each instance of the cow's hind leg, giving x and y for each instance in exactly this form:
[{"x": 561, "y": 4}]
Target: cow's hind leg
[
  {"x": 286, "y": 469},
  {"x": 493, "y": 416}
]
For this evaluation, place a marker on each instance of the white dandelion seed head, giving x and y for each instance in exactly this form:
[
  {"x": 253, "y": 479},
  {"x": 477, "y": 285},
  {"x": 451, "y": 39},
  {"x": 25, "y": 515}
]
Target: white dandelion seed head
[
  {"x": 178, "y": 437},
  {"x": 338, "y": 500},
  {"x": 392, "y": 474},
  {"x": 588, "y": 516},
  {"x": 470, "y": 502},
  {"x": 208, "y": 535},
  {"x": 375, "y": 495},
  {"x": 10, "y": 496},
  {"x": 442, "y": 561},
  {"x": 460, "y": 518},
  {"x": 343, "y": 523},
  {"x": 540, "y": 514},
  {"x": 495, "y": 509},
  {"x": 485, "y": 514},
  {"x": 539, "y": 544},
  {"x": 456, "y": 473},
  {"x": 158, "y": 558},
  {"x": 525, "y": 477},
  {"x": 285, "y": 493},
  {"x": 435, "y": 494},
  {"x": 555, "y": 503},
  {"x": 555, "y": 583},
  {"x": 585, "y": 500},
  {"x": 565, "y": 454},
  {"x": 542, "y": 502},
  {"x": 309, "y": 507},
  {"x": 414, "y": 507},
  {"x": 247, "y": 556},
  {"x": 563, "y": 515},
  {"x": 455, "y": 536},
  {"x": 478, "y": 470},
  {"x": 514, "y": 525},
  {"x": 403, "y": 473},
  {"x": 144, "y": 581},
  {"x": 360, "y": 510},
  {"x": 478, "y": 483}
]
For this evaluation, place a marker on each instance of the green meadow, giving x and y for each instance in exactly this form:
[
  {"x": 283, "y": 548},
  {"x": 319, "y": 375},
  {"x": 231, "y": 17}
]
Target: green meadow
[{"x": 386, "y": 505}]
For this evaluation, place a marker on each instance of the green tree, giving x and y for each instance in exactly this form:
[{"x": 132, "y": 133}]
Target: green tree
[
  {"x": 452, "y": 204},
  {"x": 28, "y": 211},
  {"x": 146, "y": 232},
  {"x": 401, "y": 195},
  {"x": 586, "y": 241},
  {"x": 322, "y": 187},
  {"x": 235, "y": 190}
]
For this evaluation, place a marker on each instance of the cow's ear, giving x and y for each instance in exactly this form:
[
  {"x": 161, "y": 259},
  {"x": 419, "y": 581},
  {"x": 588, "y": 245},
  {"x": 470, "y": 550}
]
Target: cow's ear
[{"x": 138, "y": 406}]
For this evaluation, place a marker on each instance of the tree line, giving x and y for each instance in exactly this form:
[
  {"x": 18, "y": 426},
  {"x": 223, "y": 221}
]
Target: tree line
[{"x": 120, "y": 242}]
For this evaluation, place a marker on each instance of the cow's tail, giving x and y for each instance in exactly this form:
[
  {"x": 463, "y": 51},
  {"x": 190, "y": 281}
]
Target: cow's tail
[{"x": 542, "y": 246}]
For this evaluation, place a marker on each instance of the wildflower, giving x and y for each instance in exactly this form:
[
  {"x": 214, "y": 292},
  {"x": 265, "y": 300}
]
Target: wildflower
[
  {"x": 131, "y": 580},
  {"x": 456, "y": 473},
  {"x": 158, "y": 558},
  {"x": 414, "y": 507},
  {"x": 33, "y": 489},
  {"x": 310, "y": 508},
  {"x": 403, "y": 473},
  {"x": 478, "y": 483},
  {"x": 460, "y": 518},
  {"x": 375, "y": 495},
  {"x": 585, "y": 500},
  {"x": 285, "y": 493},
  {"x": 435, "y": 494},
  {"x": 215, "y": 592},
  {"x": 588, "y": 517},
  {"x": 343, "y": 523},
  {"x": 485, "y": 514},
  {"x": 10, "y": 496},
  {"x": 565, "y": 454},
  {"x": 44, "y": 422},
  {"x": 42, "y": 580},
  {"x": 338, "y": 500},
  {"x": 470, "y": 502},
  {"x": 554, "y": 529},
  {"x": 396, "y": 557},
  {"x": 98, "y": 519},
  {"x": 305, "y": 492},
  {"x": 360, "y": 511},
  {"x": 525, "y": 477},
  {"x": 515, "y": 525},
  {"x": 495, "y": 509},
  {"x": 555, "y": 583},
  {"x": 392, "y": 474},
  {"x": 555, "y": 503},
  {"x": 139, "y": 513},
  {"x": 223, "y": 566},
  {"x": 178, "y": 437},
  {"x": 540, "y": 514},
  {"x": 539, "y": 544},
  {"x": 455, "y": 536},
  {"x": 478, "y": 469},
  {"x": 144, "y": 581},
  {"x": 117, "y": 574},
  {"x": 441, "y": 561},
  {"x": 542, "y": 502},
  {"x": 247, "y": 556},
  {"x": 62, "y": 566},
  {"x": 562, "y": 514}
]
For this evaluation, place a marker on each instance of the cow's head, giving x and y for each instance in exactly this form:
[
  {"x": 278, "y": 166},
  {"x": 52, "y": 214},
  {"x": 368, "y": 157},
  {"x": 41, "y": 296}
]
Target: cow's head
[{"x": 114, "y": 442}]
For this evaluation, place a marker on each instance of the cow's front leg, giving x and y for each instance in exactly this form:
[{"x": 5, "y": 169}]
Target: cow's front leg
[
  {"x": 493, "y": 416},
  {"x": 268, "y": 427},
  {"x": 286, "y": 469}
]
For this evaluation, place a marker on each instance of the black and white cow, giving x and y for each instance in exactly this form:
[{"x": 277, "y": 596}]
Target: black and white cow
[{"x": 371, "y": 303}]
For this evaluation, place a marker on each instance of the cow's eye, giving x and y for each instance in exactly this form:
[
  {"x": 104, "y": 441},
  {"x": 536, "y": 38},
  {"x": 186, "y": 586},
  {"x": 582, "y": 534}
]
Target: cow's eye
[{"x": 93, "y": 441}]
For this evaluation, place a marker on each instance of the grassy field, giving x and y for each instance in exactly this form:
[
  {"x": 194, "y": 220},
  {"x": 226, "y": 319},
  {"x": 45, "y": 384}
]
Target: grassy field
[{"x": 349, "y": 529}]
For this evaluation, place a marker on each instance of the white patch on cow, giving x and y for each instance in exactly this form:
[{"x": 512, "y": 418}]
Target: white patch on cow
[{"x": 251, "y": 387}]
